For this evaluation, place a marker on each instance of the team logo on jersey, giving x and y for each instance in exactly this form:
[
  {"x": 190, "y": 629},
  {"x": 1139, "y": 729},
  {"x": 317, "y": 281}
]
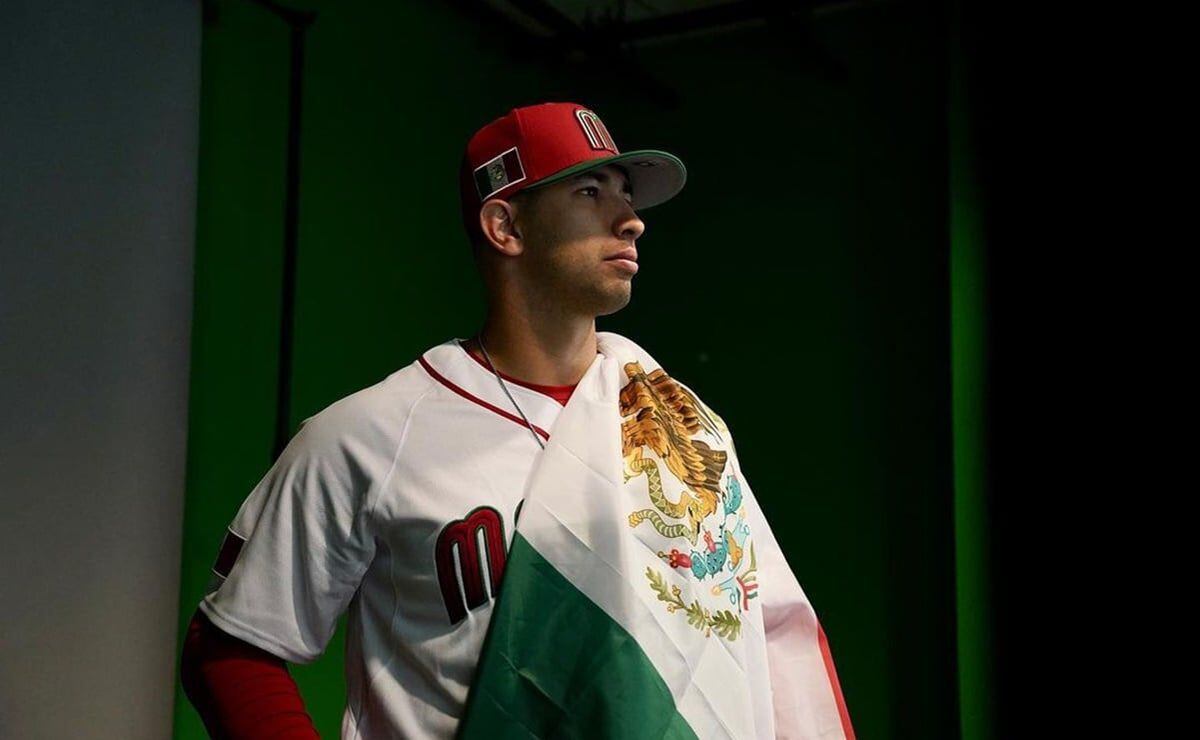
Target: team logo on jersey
[{"x": 462, "y": 536}]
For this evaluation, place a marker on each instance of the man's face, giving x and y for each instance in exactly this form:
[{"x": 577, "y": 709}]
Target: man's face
[{"x": 570, "y": 232}]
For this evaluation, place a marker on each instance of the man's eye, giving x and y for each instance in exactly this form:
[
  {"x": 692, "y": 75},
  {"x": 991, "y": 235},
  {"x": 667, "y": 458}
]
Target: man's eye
[{"x": 628, "y": 200}]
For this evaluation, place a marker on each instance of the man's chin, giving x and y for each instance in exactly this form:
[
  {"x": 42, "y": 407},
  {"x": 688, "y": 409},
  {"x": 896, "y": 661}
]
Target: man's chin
[{"x": 616, "y": 301}]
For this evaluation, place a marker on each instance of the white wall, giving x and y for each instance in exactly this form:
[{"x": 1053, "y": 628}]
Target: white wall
[{"x": 99, "y": 105}]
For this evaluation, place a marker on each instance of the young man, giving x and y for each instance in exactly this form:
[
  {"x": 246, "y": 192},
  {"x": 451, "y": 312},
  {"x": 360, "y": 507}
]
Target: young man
[{"x": 403, "y": 504}]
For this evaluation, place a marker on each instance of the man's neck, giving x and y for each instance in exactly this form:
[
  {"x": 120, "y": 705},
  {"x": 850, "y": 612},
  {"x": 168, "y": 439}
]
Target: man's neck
[{"x": 545, "y": 354}]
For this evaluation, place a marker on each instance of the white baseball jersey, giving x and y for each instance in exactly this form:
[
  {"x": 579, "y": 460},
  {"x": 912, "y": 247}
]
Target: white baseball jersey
[{"x": 398, "y": 502}]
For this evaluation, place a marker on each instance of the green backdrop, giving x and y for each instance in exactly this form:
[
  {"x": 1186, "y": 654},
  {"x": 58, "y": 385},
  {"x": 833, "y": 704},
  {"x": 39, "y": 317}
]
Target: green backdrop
[{"x": 816, "y": 221}]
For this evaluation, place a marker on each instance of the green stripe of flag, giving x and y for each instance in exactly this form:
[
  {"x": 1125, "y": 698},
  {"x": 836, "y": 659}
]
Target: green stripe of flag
[{"x": 555, "y": 664}]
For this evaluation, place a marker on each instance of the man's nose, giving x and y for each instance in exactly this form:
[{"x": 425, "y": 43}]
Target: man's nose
[{"x": 629, "y": 226}]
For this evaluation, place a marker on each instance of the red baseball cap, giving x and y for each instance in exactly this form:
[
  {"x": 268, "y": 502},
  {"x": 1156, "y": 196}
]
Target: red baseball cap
[{"x": 540, "y": 144}]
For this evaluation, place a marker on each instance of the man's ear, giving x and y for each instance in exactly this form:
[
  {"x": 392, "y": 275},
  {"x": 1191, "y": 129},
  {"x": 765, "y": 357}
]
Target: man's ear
[{"x": 496, "y": 221}]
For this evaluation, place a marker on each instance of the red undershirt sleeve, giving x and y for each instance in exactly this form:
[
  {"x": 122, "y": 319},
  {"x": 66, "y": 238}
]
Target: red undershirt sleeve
[{"x": 240, "y": 690}]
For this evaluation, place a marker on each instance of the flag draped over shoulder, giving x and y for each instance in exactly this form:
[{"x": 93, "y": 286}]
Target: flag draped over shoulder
[{"x": 644, "y": 595}]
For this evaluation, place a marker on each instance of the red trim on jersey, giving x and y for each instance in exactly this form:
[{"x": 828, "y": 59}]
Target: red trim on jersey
[
  {"x": 562, "y": 396},
  {"x": 847, "y": 728},
  {"x": 550, "y": 390},
  {"x": 472, "y": 397}
]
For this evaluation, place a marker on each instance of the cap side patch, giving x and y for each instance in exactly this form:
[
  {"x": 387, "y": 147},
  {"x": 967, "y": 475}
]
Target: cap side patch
[{"x": 499, "y": 172}]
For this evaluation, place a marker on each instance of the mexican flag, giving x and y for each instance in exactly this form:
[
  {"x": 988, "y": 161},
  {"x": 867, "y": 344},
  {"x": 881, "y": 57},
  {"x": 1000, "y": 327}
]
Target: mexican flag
[{"x": 644, "y": 595}]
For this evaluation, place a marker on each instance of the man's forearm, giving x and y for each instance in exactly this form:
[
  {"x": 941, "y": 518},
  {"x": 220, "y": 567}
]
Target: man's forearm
[{"x": 240, "y": 690}]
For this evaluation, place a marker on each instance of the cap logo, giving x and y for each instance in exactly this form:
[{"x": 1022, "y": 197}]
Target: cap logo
[
  {"x": 497, "y": 173},
  {"x": 595, "y": 130}
]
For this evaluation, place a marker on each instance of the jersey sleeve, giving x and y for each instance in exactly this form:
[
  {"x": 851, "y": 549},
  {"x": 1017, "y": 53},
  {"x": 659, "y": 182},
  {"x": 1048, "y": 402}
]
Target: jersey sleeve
[
  {"x": 805, "y": 693},
  {"x": 298, "y": 547}
]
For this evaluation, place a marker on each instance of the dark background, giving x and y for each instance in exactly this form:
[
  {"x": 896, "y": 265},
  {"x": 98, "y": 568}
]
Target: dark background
[
  {"x": 800, "y": 281},
  {"x": 884, "y": 272}
]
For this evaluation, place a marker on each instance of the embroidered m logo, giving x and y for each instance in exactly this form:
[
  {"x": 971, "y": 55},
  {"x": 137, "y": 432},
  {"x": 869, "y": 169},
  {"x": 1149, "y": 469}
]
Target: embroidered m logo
[
  {"x": 595, "y": 130},
  {"x": 462, "y": 535}
]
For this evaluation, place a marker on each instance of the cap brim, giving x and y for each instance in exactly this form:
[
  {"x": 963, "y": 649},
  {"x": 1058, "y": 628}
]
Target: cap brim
[{"x": 655, "y": 176}]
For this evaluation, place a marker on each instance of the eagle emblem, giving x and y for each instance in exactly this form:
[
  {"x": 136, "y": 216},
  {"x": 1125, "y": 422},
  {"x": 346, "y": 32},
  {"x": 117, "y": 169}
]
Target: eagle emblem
[{"x": 663, "y": 422}]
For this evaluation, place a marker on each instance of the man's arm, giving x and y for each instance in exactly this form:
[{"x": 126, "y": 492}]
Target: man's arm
[{"x": 240, "y": 691}]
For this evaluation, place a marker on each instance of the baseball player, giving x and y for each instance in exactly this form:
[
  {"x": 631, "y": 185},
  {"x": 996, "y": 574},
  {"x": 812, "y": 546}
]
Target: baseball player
[{"x": 396, "y": 503}]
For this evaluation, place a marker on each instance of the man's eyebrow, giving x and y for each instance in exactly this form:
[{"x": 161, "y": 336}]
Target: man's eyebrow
[{"x": 601, "y": 176}]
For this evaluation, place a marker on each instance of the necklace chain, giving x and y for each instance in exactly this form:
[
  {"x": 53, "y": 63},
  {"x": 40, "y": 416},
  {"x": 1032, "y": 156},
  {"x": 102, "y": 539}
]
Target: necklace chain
[{"x": 504, "y": 387}]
